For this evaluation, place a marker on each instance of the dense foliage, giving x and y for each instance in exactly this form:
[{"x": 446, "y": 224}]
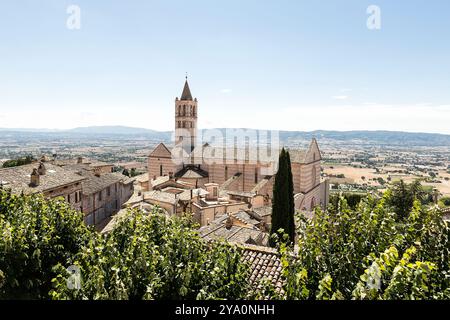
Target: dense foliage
[
  {"x": 445, "y": 201},
  {"x": 18, "y": 162},
  {"x": 145, "y": 257},
  {"x": 35, "y": 235},
  {"x": 403, "y": 196},
  {"x": 367, "y": 254},
  {"x": 283, "y": 207},
  {"x": 353, "y": 199},
  {"x": 155, "y": 257}
]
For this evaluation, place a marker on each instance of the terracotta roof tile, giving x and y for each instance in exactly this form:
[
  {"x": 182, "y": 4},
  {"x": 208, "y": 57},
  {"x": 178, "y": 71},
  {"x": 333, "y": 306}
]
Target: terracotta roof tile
[{"x": 264, "y": 264}]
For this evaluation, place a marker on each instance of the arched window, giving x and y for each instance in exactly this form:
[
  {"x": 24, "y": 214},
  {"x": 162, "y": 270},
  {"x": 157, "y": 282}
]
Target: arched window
[
  {"x": 314, "y": 156},
  {"x": 160, "y": 170},
  {"x": 184, "y": 110}
]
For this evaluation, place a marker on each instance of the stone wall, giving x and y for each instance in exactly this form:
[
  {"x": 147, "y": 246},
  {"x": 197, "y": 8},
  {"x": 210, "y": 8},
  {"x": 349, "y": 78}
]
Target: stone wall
[
  {"x": 156, "y": 166},
  {"x": 103, "y": 204},
  {"x": 71, "y": 193}
]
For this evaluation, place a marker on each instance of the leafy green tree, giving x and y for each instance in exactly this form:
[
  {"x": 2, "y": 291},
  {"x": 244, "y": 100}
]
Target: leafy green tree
[
  {"x": 404, "y": 195},
  {"x": 366, "y": 254},
  {"x": 445, "y": 201},
  {"x": 283, "y": 201},
  {"x": 155, "y": 257},
  {"x": 353, "y": 199},
  {"x": 36, "y": 234},
  {"x": 144, "y": 257},
  {"x": 18, "y": 162}
]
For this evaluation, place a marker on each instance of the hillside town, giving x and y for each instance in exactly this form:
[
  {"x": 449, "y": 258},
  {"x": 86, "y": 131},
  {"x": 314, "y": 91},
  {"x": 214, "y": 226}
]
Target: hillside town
[
  {"x": 228, "y": 199},
  {"x": 226, "y": 190}
]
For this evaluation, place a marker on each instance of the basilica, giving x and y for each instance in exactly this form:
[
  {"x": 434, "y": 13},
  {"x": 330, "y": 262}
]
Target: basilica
[{"x": 211, "y": 180}]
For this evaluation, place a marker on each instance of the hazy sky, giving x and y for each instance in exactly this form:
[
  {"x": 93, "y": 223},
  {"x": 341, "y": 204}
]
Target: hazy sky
[{"x": 292, "y": 65}]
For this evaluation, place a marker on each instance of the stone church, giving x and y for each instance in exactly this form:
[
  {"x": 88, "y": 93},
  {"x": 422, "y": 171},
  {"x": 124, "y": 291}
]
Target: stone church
[{"x": 233, "y": 170}]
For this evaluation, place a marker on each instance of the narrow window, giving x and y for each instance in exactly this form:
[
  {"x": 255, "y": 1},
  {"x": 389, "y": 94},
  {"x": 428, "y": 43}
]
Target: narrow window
[
  {"x": 160, "y": 170},
  {"x": 226, "y": 172},
  {"x": 256, "y": 175},
  {"x": 314, "y": 178}
]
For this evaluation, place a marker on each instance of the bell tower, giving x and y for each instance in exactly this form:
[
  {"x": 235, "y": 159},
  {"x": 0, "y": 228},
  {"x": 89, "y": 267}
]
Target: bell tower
[{"x": 186, "y": 120}]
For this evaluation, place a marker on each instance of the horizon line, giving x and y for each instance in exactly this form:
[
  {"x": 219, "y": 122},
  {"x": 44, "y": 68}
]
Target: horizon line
[{"x": 53, "y": 130}]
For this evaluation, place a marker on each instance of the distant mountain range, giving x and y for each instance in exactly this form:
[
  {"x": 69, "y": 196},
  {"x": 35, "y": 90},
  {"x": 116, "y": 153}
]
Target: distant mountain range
[{"x": 372, "y": 137}]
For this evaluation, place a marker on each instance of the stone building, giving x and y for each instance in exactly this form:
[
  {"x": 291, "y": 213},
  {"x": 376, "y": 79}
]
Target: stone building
[
  {"x": 103, "y": 195},
  {"x": 50, "y": 180},
  {"x": 88, "y": 186},
  {"x": 236, "y": 170}
]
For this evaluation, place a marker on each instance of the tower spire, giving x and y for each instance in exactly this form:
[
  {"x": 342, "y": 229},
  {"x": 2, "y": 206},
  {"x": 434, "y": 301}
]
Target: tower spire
[
  {"x": 186, "y": 95},
  {"x": 186, "y": 120}
]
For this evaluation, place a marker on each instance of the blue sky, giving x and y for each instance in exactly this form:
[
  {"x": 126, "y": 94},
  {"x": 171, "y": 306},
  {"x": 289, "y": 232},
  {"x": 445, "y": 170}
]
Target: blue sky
[{"x": 292, "y": 65}]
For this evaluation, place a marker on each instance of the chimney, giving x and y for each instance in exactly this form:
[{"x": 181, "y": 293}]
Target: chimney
[
  {"x": 80, "y": 160},
  {"x": 213, "y": 191},
  {"x": 42, "y": 170},
  {"x": 34, "y": 178},
  {"x": 228, "y": 223}
]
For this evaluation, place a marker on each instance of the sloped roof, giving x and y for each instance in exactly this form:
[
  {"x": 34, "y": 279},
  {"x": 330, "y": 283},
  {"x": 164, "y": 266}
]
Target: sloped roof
[
  {"x": 160, "y": 196},
  {"x": 235, "y": 234},
  {"x": 161, "y": 151},
  {"x": 191, "y": 174},
  {"x": 191, "y": 171},
  {"x": 159, "y": 181},
  {"x": 297, "y": 156},
  {"x": 264, "y": 263},
  {"x": 242, "y": 154},
  {"x": 186, "y": 95},
  {"x": 18, "y": 178},
  {"x": 94, "y": 183},
  {"x": 263, "y": 211},
  {"x": 245, "y": 218},
  {"x": 244, "y": 194},
  {"x": 230, "y": 180},
  {"x": 261, "y": 184}
]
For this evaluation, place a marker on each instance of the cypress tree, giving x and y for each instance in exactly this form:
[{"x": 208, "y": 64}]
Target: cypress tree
[
  {"x": 283, "y": 199},
  {"x": 291, "y": 213}
]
